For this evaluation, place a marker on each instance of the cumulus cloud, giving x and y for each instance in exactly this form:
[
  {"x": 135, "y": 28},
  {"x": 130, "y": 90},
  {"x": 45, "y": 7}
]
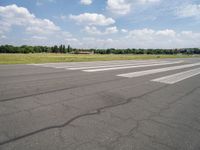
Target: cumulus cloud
[
  {"x": 191, "y": 10},
  {"x": 121, "y": 7},
  {"x": 74, "y": 42},
  {"x": 86, "y": 2},
  {"x": 111, "y": 30},
  {"x": 150, "y": 34},
  {"x": 144, "y": 38},
  {"x": 38, "y": 30},
  {"x": 41, "y": 2},
  {"x": 124, "y": 30},
  {"x": 90, "y": 42},
  {"x": 143, "y": 34},
  {"x": 12, "y": 15},
  {"x": 3, "y": 37},
  {"x": 38, "y": 37},
  {"x": 167, "y": 32},
  {"x": 148, "y": 1},
  {"x": 93, "y": 30},
  {"x": 92, "y": 19},
  {"x": 149, "y": 38}
]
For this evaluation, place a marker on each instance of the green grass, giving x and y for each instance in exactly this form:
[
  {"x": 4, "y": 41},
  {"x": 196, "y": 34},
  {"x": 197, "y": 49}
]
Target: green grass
[{"x": 46, "y": 58}]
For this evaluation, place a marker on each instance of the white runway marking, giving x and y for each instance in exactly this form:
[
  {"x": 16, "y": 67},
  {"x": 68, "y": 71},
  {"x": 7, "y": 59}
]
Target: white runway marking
[
  {"x": 171, "y": 79},
  {"x": 87, "y": 65},
  {"x": 153, "y": 71},
  {"x": 97, "y": 64},
  {"x": 133, "y": 66},
  {"x": 118, "y": 65}
]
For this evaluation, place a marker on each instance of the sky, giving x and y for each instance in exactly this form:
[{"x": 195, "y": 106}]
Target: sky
[{"x": 101, "y": 23}]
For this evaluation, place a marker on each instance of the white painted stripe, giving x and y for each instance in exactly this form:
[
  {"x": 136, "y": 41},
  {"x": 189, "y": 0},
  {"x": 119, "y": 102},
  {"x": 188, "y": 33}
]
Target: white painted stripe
[
  {"x": 134, "y": 66},
  {"x": 171, "y": 79},
  {"x": 92, "y": 64},
  {"x": 102, "y": 64},
  {"x": 119, "y": 65},
  {"x": 79, "y": 64},
  {"x": 153, "y": 71}
]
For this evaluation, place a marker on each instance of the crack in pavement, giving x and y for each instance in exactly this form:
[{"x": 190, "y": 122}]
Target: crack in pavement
[
  {"x": 57, "y": 90},
  {"x": 96, "y": 112},
  {"x": 49, "y": 104},
  {"x": 150, "y": 118},
  {"x": 48, "y": 128},
  {"x": 176, "y": 100}
]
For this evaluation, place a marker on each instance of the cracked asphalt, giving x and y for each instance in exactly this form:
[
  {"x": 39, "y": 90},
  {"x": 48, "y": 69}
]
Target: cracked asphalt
[{"x": 57, "y": 109}]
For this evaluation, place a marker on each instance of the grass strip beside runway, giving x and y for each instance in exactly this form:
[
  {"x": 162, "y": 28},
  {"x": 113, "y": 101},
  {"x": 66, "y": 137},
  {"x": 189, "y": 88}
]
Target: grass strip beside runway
[{"x": 47, "y": 58}]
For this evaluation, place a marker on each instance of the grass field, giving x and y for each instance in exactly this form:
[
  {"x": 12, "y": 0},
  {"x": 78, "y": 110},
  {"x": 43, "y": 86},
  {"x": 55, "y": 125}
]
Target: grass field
[{"x": 46, "y": 58}]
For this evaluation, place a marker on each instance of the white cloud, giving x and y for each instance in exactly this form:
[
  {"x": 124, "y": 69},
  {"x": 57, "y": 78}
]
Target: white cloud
[
  {"x": 93, "y": 30},
  {"x": 92, "y": 19},
  {"x": 149, "y": 38},
  {"x": 74, "y": 42},
  {"x": 3, "y": 37},
  {"x": 146, "y": 38},
  {"x": 12, "y": 15},
  {"x": 111, "y": 30},
  {"x": 191, "y": 10},
  {"x": 148, "y": 1},
  {"x": 124, "y": 30},
  {"x": 143, "y": 34},
  {"x": 150, "y": 34},
  {"x": 121, "y": 7},
  {"x": 41, "y": 2},
  {"x": 86, "y": 2},
  {"x": 71, "y": 40},
  {"x": 39, "y": 31},
  {"x": 38, "y": 37},
  {"x": 90, "y": 42},
  {"x": 167, "y": 32}
]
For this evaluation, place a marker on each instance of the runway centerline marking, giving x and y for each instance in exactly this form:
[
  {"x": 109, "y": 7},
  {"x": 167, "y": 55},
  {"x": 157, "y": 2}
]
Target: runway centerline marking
[
  {"x": 153, "y": 71},
  {"x": 171, "y": 79}
]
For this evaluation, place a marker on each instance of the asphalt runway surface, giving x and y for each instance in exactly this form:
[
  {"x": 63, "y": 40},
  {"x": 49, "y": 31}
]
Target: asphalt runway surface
[{"x": 108, "y": 105}]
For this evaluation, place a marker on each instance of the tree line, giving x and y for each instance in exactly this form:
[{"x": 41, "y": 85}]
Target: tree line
[
  {"x": 35, "y": 49},
  {"x": 69, "y": 49}
]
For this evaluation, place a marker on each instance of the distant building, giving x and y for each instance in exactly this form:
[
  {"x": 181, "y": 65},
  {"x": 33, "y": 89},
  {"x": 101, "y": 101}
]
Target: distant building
[{"x": 83, "y": 52}]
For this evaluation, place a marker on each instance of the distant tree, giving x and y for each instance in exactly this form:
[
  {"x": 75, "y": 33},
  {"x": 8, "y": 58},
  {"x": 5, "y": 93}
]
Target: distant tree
[
  {"x": 55, "y": 49},
  {"x": 64, "y": 49},
  {"x": 60, "y": 49},
  {"x": 69, "y": 49}
]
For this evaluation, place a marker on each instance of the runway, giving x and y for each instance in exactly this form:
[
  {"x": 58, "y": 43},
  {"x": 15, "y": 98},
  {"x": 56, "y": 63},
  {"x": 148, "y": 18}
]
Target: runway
[{"x": 104, "y": 105}]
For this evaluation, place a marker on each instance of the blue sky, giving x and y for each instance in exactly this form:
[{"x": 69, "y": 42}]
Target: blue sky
[{"x": 101, "y": 23}]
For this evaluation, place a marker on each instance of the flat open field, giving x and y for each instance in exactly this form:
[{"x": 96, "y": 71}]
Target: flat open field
[{"x": 47, "y": 58}]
